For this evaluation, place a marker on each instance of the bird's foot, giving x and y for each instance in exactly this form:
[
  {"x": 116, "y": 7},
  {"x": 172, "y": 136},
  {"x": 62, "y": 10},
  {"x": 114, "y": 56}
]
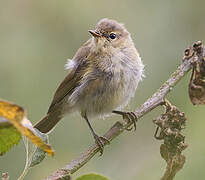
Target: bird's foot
[
  {"x": 131, "y": 116},
  {"x": 101, "y": 141}
]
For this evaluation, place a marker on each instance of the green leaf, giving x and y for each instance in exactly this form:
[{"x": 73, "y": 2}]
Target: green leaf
[
  {"x": 92, "y": 177},
  {"x": 38, "y": 155},
  {"x": 9, "y": 136},
  {"x": 34, "y": 154}
]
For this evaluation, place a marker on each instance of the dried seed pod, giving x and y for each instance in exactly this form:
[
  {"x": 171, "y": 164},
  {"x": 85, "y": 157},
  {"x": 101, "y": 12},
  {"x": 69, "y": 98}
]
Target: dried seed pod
[
  {"x": 197, "y": 83},
  {"x": 170, "y": 125},
  {"x": 198, "y": 47},
  {"x": 197, "y": 80}
]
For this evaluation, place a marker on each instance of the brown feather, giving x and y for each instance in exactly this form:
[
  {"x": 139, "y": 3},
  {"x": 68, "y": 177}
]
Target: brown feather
[
  {"x": 49, "y": 121},
  {"x": 73, "y": 78},
  {"x": 67, "y": 86}
]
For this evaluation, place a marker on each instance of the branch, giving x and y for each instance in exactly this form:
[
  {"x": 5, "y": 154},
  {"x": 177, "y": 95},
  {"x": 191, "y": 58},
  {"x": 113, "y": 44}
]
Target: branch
[{"x": 153, "y": 102}]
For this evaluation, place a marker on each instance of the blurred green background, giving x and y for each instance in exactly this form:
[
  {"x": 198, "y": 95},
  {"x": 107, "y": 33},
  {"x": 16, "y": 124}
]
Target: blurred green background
[{"x": 36, "y": 38}]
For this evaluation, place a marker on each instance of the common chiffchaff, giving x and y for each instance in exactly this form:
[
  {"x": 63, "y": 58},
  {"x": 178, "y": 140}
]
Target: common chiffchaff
[{"x": 102, "y": 77}]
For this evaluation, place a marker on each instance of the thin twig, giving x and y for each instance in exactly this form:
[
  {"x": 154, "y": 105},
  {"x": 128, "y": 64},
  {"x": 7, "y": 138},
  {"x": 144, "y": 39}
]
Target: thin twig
[{"x": 156, "y": 100}]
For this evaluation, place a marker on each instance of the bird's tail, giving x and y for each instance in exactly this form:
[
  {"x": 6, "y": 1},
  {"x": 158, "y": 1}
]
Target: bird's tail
[{"x": 48, "y": 122}]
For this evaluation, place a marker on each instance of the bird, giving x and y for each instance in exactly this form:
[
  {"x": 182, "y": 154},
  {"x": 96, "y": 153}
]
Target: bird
[{"x": 102, "y": 77}]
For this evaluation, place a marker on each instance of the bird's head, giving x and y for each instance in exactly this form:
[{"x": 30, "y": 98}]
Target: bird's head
[{"x": 109, "y": 33}]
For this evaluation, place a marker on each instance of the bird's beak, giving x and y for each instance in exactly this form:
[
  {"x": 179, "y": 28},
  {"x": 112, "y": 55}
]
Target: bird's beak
[{"x": 94, "y": 33}]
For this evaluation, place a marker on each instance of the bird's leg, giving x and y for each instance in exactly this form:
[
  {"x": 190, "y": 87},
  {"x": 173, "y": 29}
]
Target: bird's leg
[
  {"x": 130, "y": 116},
  {"x": 99, "y": 140}
]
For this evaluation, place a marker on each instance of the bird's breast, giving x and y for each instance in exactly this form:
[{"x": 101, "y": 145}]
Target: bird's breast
[
  {"x": 109, "y": 86},
  {"x": 120, "y": 77}
]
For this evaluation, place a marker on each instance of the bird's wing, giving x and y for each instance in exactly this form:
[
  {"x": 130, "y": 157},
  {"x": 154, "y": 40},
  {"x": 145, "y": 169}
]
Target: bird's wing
[{"x": 73, "y": 78}]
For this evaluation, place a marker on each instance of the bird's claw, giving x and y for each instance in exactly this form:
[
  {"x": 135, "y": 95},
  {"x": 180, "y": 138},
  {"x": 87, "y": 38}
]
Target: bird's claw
[
  {"x": 131, "y": 116},
  {"x": 101, "y": 141}
]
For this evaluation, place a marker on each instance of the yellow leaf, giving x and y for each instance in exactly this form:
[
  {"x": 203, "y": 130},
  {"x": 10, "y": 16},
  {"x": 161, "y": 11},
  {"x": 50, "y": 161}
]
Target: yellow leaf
[{"x": 17, "y": 117}]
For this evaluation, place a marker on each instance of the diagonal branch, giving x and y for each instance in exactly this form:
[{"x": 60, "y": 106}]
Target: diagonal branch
[{"x": 154, "y": 101}]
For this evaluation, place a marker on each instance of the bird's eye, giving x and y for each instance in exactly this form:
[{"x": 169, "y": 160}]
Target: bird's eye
[{"x": 112, "y": 35}]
